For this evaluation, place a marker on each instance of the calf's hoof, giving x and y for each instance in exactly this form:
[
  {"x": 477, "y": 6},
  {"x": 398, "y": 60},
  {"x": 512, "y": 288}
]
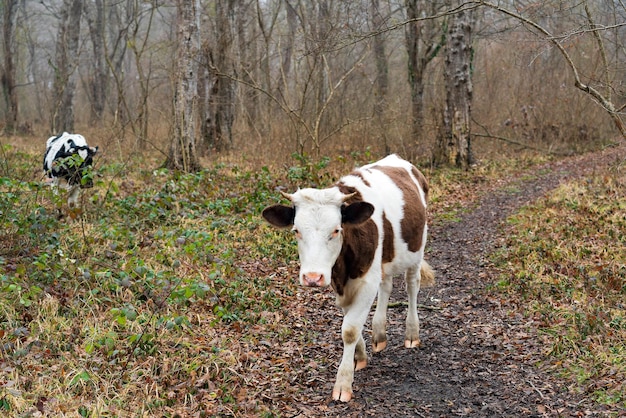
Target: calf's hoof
[
  {"x": 343, "y": 395},
  {"x": 412, "y": 343},
  {"x": 360, "y": 364},
  {"x": 379, "y": 346}
]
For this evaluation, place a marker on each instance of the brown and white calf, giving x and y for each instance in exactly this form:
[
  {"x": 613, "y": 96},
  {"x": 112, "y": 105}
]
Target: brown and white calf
[{"x": 355, "y": 236}]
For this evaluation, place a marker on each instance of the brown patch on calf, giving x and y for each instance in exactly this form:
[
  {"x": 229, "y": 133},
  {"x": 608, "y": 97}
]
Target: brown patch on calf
[
  {"x": 357, "y": 173},
  {"x": 421, "y": 180},
  {"x": 388, "y": 248},
  {"x": 359, "y": 245},
  {"x": 414, "y": 219},
  {"x": 357, "y": 254},
  {"x": 350, "y": 190},
  {"x": 350, "y": 335}
]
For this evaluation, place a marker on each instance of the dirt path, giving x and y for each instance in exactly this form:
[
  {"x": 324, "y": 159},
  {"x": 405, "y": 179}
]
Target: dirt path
[{"x": 478, "y": 355}]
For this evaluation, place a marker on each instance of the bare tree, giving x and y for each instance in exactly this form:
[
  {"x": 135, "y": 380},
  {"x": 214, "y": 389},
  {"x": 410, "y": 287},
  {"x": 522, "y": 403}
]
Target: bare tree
[
  {"x": 424, "y": 39},
  {"x": 247, "y": 34},
  {"x": 95, "y": 13},
  {"x": 139, "y": 45},
  {"x": 219, "y": 113},
  {"x": 266, "y": 23},
  {"x": 454, "y": 143},
  {"x": 118, "y": 23},
  {"x": 182, "y": 154},
  {"x": 66, "y": 63},
  {"x": 287, "y": 50},
  {"x": 382, "y": 67},
  {"x": 9, "y": 10}
]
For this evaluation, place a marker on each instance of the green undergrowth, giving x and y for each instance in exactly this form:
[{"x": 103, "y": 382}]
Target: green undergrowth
[
  {"x": 111, "y": 309},
  {"x": 566, "y": 257},
  {"x": 167, "y": 295}
]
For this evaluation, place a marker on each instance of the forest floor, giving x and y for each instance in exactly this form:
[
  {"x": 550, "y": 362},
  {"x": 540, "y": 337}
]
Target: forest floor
[
  {"x": 480, "y": 356},
  {"x": 170, "y": 297}
]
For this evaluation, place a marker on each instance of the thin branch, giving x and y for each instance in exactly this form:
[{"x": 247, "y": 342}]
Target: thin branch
[
  {"x": 603, "y": 101},
  {"x": 334, "y": 88},
  {"x": 487, "y": 134},
  {"x": 402, "y": 304},
  {"x": 595, "y": 29},
  {"x": 598, "y": 39},
  {"x": 521, "y": 144},
  {"x": 461, "y": 8}
]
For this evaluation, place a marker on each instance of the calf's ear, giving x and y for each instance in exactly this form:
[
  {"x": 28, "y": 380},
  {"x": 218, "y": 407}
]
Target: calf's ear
[
  {"x": 356, "y": 213},
  {"x": 93, "y": 150},
  {"x": 280, "y": 216}
]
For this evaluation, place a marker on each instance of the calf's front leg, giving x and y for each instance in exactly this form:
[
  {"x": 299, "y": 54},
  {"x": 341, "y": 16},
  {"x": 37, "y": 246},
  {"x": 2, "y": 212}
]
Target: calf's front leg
[
  {"x": 345, "y": 374},
  {"x": 354, "y": 355},
  {"x": 379, "y": 322}
]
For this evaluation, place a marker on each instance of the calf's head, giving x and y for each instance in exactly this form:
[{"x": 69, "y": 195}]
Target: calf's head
[{"x": 317, "y": 218}]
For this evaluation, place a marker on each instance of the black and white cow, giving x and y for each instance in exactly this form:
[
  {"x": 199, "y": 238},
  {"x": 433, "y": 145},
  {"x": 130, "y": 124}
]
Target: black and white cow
[
  {"x": 355, "y": 236},
  {"x": 66, "y": 161}
]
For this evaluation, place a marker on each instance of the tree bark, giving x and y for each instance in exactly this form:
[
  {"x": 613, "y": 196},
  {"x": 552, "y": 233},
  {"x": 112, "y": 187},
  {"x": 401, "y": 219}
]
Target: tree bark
[
  {"x": 220, "y": 113},
  {"x": 8, "y": 74},
  {"x": 182, "y": 155},
  {"x": 99, "y": 80},
  {"x": 424, "y": 39},
  {"x": 66, "y": 63},
  {"x": 119, "y": 17},
  {"x": 247, "y": 35},
  {"x": 321, "y": 79},
  {"x": 382, "y": 68},
  {"x": 454, "y": 146}
]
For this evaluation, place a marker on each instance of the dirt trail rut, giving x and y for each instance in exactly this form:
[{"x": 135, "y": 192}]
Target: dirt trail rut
[{"x": 478, "y": 353}]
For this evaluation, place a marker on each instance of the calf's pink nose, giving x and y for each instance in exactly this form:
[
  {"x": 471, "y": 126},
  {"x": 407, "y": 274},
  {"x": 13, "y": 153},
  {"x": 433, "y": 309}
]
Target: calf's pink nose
[{"x": 313, "y": 279}]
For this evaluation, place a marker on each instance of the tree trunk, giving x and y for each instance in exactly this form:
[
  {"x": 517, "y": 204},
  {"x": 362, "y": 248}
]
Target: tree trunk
[
  {"x": 8, "y": 74},
  {"x": 454, "y": 146},
  {"x": 247, "y": 35},
  {"x": 287, "y": 53},
  {"x": 182, "y": 155},
  {"x": 424, "y": 39},
  {"x": 382, "y": 69},
  {"x": 415, "y": 72},
  {"x": 321, "y": 79},
  {"x": 98, "y": 82},
  {"x": 66, "y": 64},
  {"x": 218, "y": 120},
  {"x": 119, "y": 17}
]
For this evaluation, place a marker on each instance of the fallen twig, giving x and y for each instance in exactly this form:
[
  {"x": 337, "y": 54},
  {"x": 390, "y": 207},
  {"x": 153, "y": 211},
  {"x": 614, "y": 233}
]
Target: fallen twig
[{"x": 419, "y": 305}]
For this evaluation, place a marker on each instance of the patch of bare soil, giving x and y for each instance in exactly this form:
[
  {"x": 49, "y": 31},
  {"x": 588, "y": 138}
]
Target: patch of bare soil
[{"x": 479, "y": 354}]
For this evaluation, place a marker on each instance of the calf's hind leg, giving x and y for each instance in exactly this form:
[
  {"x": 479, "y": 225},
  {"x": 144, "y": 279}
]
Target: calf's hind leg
[{"x": 413, "y": 279}]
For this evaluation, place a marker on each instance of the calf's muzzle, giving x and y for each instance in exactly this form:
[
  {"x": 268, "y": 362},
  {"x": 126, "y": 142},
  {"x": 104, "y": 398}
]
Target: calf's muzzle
[{"x": 313, "y": 279}]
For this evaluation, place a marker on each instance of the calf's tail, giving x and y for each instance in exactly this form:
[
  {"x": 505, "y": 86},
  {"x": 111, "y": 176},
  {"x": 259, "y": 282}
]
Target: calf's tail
[{"x": 427, "y": 274}]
